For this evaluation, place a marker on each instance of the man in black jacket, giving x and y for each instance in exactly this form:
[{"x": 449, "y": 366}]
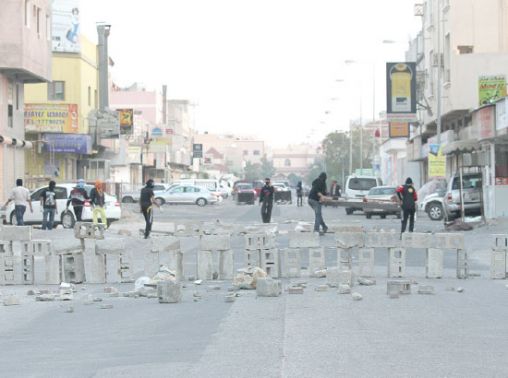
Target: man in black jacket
[
  {"x": 408, "y": 197},
  {"x": 77, "y": 199},
  {"x": 316, "y": 194},
  {"x": 146, "y": 202},
  {"x": 266, "y": 201}
]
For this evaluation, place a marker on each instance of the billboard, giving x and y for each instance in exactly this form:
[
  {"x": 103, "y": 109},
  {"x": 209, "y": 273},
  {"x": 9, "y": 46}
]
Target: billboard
[
  {"x": 68, "y": 143},
  {"x": 126, "y": 119},
  {"x": 401, "y": 92},
  {"x": 51, "y": 118},
  {"x": 65, "y": 26},
  {"x": 399, "y": 130},
  {"x": 437, "y": 161},
  {"x": 491, "y": 89}
]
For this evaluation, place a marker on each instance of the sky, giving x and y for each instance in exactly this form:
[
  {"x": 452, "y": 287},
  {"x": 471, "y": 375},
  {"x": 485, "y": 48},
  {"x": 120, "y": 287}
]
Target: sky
[{"x": 267, "y": 68}]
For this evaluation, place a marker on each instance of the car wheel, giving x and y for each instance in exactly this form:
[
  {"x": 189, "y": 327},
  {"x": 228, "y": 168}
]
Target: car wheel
[
  {"x": 368, "y": 215},
  {"x": 349, "y": 211},
  {"x": 383, "y": 216},
  {"x": 201, "y": 202},
  {"x": 435, "y": 211},
  {"x": 13, "y": 220},
  {"x": 128, "y": 200},
  {"x": 160, "y": 201},
  {"x": 67, "y": 220}
]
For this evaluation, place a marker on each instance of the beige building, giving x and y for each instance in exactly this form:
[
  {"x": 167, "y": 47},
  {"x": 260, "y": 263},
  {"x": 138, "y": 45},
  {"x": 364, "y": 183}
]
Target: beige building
[
  {"x": 296, "y": 159},
  {"x": 25, "y": 57}
]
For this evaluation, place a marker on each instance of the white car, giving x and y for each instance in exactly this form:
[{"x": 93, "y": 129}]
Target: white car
[
  {"x": 63, "y": 217},
  {"x": 132, "y": 197},
  {"x": 187, "y": 194}
]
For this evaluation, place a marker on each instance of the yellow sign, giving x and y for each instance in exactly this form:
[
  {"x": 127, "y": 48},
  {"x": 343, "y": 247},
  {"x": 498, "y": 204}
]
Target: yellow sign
[
  {"x": 126, "y": 118},
  {"x": 437, "y": 161},
  {"x": 399, "y": 130},
  {"x": 52, "y": 118}
]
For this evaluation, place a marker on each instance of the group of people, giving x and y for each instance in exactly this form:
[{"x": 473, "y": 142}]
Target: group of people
[
  {"x": 78, "y": 197},
  {"x": 318, "y": 195}
]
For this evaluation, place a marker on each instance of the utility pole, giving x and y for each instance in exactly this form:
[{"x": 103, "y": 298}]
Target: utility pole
[
  {"x": 103, "y": 34},
  {"x": 439, "y": 73}
]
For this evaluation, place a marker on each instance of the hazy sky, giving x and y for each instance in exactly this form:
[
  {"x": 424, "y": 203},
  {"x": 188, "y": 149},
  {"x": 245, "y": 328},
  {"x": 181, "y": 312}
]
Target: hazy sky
[{"x": 264, "y": 67}]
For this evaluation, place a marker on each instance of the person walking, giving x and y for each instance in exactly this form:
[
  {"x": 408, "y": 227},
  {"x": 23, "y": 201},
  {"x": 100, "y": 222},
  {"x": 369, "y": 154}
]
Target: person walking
[
  {"x": 299, "y": 194},
  {"x": 408, "y": 197},
  {"x": 21, "y": 197},
  {"x": 335, "y": 190},
  {"x": 77, "y": 198},
  {"x": 146, "y": 202},
  {"x": 266, "y": 201},
  {"x": 48, "y": 206},
  {"x": 316, "y": 195},
  {"x": 98, "y": 201}
]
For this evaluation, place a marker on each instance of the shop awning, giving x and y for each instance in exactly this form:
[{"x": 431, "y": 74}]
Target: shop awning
[{"x": 461, "y": 146}]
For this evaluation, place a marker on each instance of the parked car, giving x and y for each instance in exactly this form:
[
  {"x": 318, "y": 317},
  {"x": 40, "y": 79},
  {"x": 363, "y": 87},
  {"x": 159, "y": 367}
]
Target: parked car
[
  {"x": 63, "y": 217},
  {"x": 245, "y": 193},
  {"x": 187, "y": 194},
  {"x": 382, "y": 194},
  {"x": 133, "y": 196},
  {"x": 356, "y": 188},
  {"x": 431, "y": 199},
  {"x": 282, "y": 192},
  {"x": 471, "y": 194}
]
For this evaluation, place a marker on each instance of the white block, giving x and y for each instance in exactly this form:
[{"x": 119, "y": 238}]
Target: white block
[
  {"x": 270, "y": 262},
  {"x": 252, "y": 258},
  {"x": 215, "y": 242},
  {"x": 165, "y": 243},
  {"x": 382, "y": 239},
  {"x": 205, "y": 265},
  {"x": 449, "y": 240},
  {"x": 268, "y": 287},
  {"x": 95, "y": 268},
  {"x": 88, "y": 230},
  {"x": 226, "y": 265},
  {"x": 41, "y": 247},
  {"x": 345, "y": 277},
  {"x": 341, "y": 228},
  {"x": 15, "y": 233},
  {"x": 5, "y": 247},
  {"x": 462, "y": 264},
  {"x": 173, "y": 259},
  {"x": 291, "y": 263},
  {"x": 11, "y": 270},
  {"x": 366, "y": 262},
  {"x": 434, "y": 263},
  {"x": 169, "y": 292},
  {"x": 349, "y": 239},
  {"x": 316, "y": 260},
  {"x": 396, "y": 262},
  {"x": 108, "y": 246},
  {"x": 113, "y": 268},
  {"x": 259, "y": 241},
  {"x": 345, "y": 258},
  {"x": 151, "y": 263},
  {"x": 336, "y": 277},
  {"x": 28, "y": 269},
  {"x": 398, "y": 287},
  {"x": 20, "y": 248},
  {"x": 47, "y": 270},
  {"x": 500, "y": 241},
  {"x": 417, "y": 240},
  {"x": 498, "y": 265},
  {"x": 303, "y": 239},
  {"x": 73, "y": 267}
]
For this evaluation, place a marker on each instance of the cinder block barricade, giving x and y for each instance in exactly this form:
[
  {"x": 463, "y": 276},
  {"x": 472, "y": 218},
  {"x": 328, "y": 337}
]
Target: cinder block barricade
[
  {"x": 498, "y": 269},
  {"x": 118, "y": 261},
  {"x": 366, "y": 262},
  {"x": 89, "y": 230},
  {"x": 298, "y": 241},
  {"x": 215, "y": 257},
  {"x": 434, "y": 258},
  {"x": 270, "y": 262},
  {"x": 166, "y": 251},
  {"x": 291, "y": 263},
  {"x": 316, "y": 260},
  {"x": 396, "y": 262},
  {"x": 462, "y": 264},
  {"x": 346, "y": 241},
  {"x": 261, "y": 251},
  {"x": 268, "y": 287}
]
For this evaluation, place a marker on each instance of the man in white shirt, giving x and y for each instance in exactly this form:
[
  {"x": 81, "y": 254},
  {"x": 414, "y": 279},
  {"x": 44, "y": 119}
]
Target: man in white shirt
[{"x": 21, "y": 197}]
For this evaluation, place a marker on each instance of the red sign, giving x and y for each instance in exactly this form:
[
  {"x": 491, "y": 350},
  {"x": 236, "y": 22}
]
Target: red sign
[{"x": 486, "y": 118}]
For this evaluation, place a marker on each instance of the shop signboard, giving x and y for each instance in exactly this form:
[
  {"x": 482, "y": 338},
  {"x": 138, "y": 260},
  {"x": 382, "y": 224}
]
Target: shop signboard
[
  {"x": 436, "y": 161},
  {"x": 126, "y": 119},
  {"x": 484, "y": 121},
  {"x": 51, "y": 118},
  {"x": 68, "y": 143},
  {"x": 491, "y": 88},
  {"x": 401, "y": 92},
  {"x": 399, "y": 130}
]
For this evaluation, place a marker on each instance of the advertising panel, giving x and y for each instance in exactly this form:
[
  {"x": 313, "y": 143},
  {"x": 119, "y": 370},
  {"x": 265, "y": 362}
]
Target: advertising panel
[
  {"x": 399, "y": 130},
  {"x": 437, "y": 161},
  {"x": 51, "y": 118},
  {"x": 491, "y": 89},
  {"x": 484, "y": 121},
  {"x": 126, "y": 119},
  {"x": 65, "y": 26},
  {"x": 401, "y": 91},
  {"x": 502, "y": 116},
  {"x": 197, "y": 151},
  {"x": 68, "y": 143}
]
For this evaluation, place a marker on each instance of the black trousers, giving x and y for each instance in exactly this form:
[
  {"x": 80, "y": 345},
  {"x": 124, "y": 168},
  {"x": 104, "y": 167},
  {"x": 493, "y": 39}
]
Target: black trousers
[
  {"x": 148, "y": 214},
  {"x": 78, "y": 211},
  {"x": 299, "y": 201},
  {"x": 266, "y": 211},
  {"x": 408, "y": 213}
]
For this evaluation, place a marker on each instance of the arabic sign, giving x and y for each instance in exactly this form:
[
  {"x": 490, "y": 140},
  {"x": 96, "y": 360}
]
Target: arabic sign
[
  {"x": 68, "y": 143},
  {"x": 52, "y": 118},
  {"x": 491, "y": 89}
]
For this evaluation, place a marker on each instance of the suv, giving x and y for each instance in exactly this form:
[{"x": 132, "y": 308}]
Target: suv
[
  {"x": 471, "y": 194},
  {"x": 356, "y": 188},
  {"x": 431, "y": 197}
]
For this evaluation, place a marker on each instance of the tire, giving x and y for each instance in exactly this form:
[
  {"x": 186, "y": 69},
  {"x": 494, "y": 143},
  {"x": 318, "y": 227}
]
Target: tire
[
  {"x": 201, "y": 202},
  {"x": 349, "y": 211},
  {"x": 435, "y": 211},
  {"x": 383, "y": 216},
  {"x": 128, "y": 199},
  {"x": 67, "y": 219},
  {"x": 160, "y": 201},
  {"x": 12, "y": 219},
  {"x": 368, "y": 215}
]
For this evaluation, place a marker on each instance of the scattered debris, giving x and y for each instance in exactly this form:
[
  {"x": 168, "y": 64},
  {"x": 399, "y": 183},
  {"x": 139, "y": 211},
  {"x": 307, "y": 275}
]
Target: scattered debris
[
  {"x": 246, "y": 278},
  {"x": 198, "y": 282},
  {"x": 344, "y": 289},
  {"x": 106, "y": 306},
  {"x": 268, "y": 287},
  {"x": 425, "y": 289},
  {"x": 169, "y": 292},
  {"x": 45, "y": 298},
  {"x": 230, "y": 298},
  {"x": 11, "y": 300},
  {"x": 356, "y": 296},
  {"x": 295, "y": 290},
  {"x": 366, "y": 281},
  {"x": 321, "y": 288},
  {"x": 460, "y": 290},
  {"x": 33, "y": 292},
  {"x": 321, "y": 273}
]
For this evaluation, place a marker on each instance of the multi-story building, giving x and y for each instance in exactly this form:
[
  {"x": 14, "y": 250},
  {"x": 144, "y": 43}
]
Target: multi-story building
[
  {"x": 179, "y": 125},
  {"x": 294, "y": 159},
  {"x": 25, "y": 57}
]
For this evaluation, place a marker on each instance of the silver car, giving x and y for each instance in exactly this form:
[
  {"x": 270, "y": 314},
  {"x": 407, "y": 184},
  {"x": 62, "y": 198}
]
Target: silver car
[
  {"x": 186, "y": 194},
  {"x": 133, "y": 196}
]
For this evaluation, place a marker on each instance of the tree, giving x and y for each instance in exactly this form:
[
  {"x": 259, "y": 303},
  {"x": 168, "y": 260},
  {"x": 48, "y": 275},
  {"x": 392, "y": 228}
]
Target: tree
[
  {"x": 252, "y": 171},
  {"x": 267, "y": 169}
]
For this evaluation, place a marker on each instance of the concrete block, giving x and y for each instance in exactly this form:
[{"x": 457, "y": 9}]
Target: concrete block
[
  {"x": 187, "y": 228},
  {"x": 500, "y": 242},
  {"x": 73, "y": 267},
  {"x": 151, "y": 263},
  {"x": 113, "y": 268},
  {"x": 169, "y": 292},
  {"x": 303, "y": 239},
  {"x": 345, "y": 258},
  {"x": 20, "y": 248},
  {"x": 341, "y": 228},
  {"x": 226, "y": 265},
  {"x": 349, "y": 239},
  {"x": 11, "y": 300},
  {"x": 398, "y": 286},
  {"x": 396, "y": 262},
  {"x": 165, "y": 243},
  {"x": 336, "y": 277},
  {"x": 259, "y": 241},
  {"x": 498, "y": 265},
  {"x": 449, "y": 240},
  {"x": 173, "y": 259},
  {"x": 366, "y": 262},
  {"x": 382, "y": 239},
  {"x": 88, "y": 230},
  {"x": 462, "y": 264},
  {"x": 316, "y": 260},
  {"x": 109, "y": 246},
  {"x": 425, "y": 289},
  {"x": 295, "y": 290},
  {"x": 434, "y": 263},
  {"x": 11, "y": 270},
  {"x": 252, "y": 258},
  {"x": 345, "y": 277},
  {"x": 268, "y": 287},
  {"x": 42, "y": 247},
  {"x": 270, "y": 262},
  {"x": 95, "y": 268},
  {"x": 47, "y": 270},
  {"x": 291, "y": 263},
  {"x": 205, "y": 265},
  {"x": 215, "y": 242},
  {"x": 15, "y": 233},
  {"x": 5, "y": 247},
  {"x": 344, "y": 289},
  {"x": 28, "y": 269},
  {"x": 417, "y": 240},
  {"x": 356, "y": 296}
]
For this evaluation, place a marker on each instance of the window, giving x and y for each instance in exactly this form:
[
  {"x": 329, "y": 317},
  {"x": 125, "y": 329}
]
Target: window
[
  {"x": 287, "y": 163},
  {"x": 362, "y": 183},
  {"x": 39, "y": 22},
  {"x": 56, "y": 91},
  {"x": 89, "y": 96},
  {"x": 95, "y": 99},
  {"x": 177, "y": 190},
  {"x": 17, "y": 96},
  {"x": 60, "y": 193},
  {"x": 157, "y": 187},
  {"x": 256, "y": 153},
  {"x": 465, "y": 49},
  {"x": 10, "y": 116},
  {"x": 27, "y": 13}
]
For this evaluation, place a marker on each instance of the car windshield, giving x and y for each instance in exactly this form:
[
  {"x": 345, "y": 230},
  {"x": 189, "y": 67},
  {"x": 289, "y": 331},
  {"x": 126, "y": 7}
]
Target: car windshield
[
  {"x": 362, "y": 183},
  {"x": 382, "y": 191},
  {"x": 468, "y": 182},
  {"x": 244, "y": 186}
]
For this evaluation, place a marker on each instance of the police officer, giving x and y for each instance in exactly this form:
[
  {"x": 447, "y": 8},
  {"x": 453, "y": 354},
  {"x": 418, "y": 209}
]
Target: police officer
[
  {"x": 266, "y": 201},
  {"x": 408, "y": 197}
]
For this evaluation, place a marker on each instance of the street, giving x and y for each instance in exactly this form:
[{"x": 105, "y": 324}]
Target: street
[{"x": 317, "y": 334}]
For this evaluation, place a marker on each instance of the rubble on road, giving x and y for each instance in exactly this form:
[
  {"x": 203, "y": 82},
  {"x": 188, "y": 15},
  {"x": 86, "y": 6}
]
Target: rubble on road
[
  {"x": 246, "y": 278},
  {"x": 11, "y": 300},
  {"x": 356, "y": 296}
]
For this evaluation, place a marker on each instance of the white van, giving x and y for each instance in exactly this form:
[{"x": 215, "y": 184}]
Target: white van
[{"x": 357, "y": 187}]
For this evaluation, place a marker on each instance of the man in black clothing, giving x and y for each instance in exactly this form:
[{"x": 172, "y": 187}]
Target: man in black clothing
[
  {"x": 146, "y": 202},
  {"x": 317, "y": 193},
  {"x": 77, "y": 199},
  {"x": 266, "y": 201},
  {"x": 299, "y": 194},
  {"x": 408, "y": 197}
]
